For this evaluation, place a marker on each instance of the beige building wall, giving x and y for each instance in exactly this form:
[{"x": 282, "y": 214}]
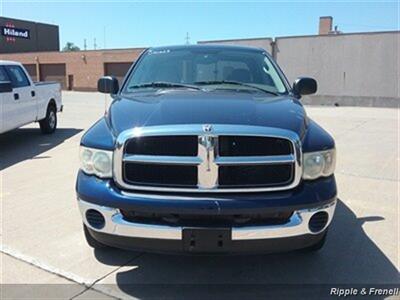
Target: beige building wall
[{"x": 348, "y": 67}]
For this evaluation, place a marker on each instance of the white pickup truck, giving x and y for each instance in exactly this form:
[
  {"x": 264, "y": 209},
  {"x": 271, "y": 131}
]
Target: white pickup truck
[{"x": 23, "y": 101}]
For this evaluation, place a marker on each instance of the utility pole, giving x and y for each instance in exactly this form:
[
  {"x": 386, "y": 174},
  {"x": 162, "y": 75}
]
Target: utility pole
[
  {"x": 84, "y": 45},
  {"x": 94, "y": 44},
  {"x": 187, "y": 38}
]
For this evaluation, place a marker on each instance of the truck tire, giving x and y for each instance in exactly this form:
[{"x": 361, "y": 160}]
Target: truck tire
[
  {"x": 49, "y": 123},
  {"x": 91, "y": 241},
  {"x": 317, "y": 246}
]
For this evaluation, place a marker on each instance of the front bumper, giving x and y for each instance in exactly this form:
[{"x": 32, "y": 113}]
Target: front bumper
[
  {"x": 305, "y": 201},
  {"x": 295, "y": 234},
  {"x": 257, "y": 246},
  {"x": 116, "y": 225}
]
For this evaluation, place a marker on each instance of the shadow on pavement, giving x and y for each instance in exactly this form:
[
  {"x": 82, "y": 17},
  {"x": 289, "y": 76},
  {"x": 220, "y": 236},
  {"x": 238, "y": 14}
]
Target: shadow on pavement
[
  {"x": 349, "y": 257},
  {"x": 26, "y": 143}
]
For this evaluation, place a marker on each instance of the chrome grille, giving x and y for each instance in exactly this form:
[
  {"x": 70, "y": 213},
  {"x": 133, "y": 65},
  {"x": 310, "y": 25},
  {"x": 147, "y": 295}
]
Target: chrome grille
[{"x": 219, "y": 161}]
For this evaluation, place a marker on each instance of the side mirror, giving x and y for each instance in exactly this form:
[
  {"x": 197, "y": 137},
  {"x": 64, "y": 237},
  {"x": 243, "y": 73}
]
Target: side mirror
[
  {"x": 304, "y": 86},
  {"x": 108, "y": 85},
  {"x": 5, "y": 87}
]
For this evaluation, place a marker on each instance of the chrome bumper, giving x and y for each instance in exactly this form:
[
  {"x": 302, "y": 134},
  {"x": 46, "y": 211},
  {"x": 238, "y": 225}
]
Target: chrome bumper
[{"x": 116, "y": 225}]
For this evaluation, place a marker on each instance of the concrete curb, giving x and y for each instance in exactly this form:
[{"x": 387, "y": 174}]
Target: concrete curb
[{"x": 361, "y": 101}]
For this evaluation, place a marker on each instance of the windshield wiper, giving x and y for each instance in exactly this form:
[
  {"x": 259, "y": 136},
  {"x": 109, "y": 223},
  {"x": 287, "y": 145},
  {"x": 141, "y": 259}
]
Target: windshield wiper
[
  {"x": 162, "y": 84},
  {"x": 215, "y": 82}
]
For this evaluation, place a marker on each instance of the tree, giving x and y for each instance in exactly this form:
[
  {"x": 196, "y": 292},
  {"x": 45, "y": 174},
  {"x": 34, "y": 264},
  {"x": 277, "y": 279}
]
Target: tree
[{"x": 70, "y": 47}]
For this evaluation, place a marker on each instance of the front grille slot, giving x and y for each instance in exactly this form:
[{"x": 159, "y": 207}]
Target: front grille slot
[
  {"x": 254, "y": 176},
  {"x": 160, "y": 175},
  {"x": 253, "y": 146},
  {"x": 273, "y": 218},
  {"x": 184, "y": 145}
]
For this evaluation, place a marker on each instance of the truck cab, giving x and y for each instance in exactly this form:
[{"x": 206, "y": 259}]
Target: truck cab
[{"x": 24, "y": 101}]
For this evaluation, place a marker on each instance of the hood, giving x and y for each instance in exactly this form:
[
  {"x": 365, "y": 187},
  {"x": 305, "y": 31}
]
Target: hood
[{"x": 167, "y": 107}]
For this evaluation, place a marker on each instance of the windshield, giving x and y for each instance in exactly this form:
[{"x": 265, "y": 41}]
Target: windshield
[{"x": 215, "y": 69}]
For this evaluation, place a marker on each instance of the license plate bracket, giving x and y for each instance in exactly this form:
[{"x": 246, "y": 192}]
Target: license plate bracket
[{"x": 207, "y": 239}]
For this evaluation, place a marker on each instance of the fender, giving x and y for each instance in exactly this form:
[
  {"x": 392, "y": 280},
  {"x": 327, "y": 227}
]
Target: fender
[{"x": 316, "y": 138}]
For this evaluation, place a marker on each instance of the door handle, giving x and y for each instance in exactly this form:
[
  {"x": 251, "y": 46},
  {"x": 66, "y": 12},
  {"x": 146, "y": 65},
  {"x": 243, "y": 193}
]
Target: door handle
[
  {"x": 33, "y": 93},
  {"x": 16, "y": 96}
]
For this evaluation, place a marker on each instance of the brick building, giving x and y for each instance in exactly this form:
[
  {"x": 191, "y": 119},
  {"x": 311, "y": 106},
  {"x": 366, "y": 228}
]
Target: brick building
[{"x": 77, "y": 70}]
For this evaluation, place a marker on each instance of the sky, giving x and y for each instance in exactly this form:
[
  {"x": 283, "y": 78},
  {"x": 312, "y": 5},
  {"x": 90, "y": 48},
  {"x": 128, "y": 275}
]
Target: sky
[{"x": 141, "y": 23}]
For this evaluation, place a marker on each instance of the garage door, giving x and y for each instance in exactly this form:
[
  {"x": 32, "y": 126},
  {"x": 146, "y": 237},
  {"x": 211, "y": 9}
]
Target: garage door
[
  {"x": 53, "y": 72},
  {"x": 31, "y": 68},
  {"x": 118, "y": 70}
]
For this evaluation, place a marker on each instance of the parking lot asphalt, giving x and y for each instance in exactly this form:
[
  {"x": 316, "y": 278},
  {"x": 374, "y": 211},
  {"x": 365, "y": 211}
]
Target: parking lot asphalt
[{"x": 41, "y": 230}]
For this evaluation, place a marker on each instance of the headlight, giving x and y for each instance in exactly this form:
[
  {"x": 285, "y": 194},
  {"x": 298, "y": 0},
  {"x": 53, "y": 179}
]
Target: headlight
[
  {"x": 96, "y": 161},
  {"x": 317, "y": 164}
]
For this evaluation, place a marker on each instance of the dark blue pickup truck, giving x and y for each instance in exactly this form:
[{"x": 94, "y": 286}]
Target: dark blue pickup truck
[{"x": 206, "y": 149}]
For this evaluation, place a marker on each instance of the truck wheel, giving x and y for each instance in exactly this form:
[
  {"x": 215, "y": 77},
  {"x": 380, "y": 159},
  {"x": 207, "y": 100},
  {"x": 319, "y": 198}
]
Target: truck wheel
[
  {"x": 317, "y": 246},
  {"x": 49, "y": 124},
  {"x": 91, "y": 241}
]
